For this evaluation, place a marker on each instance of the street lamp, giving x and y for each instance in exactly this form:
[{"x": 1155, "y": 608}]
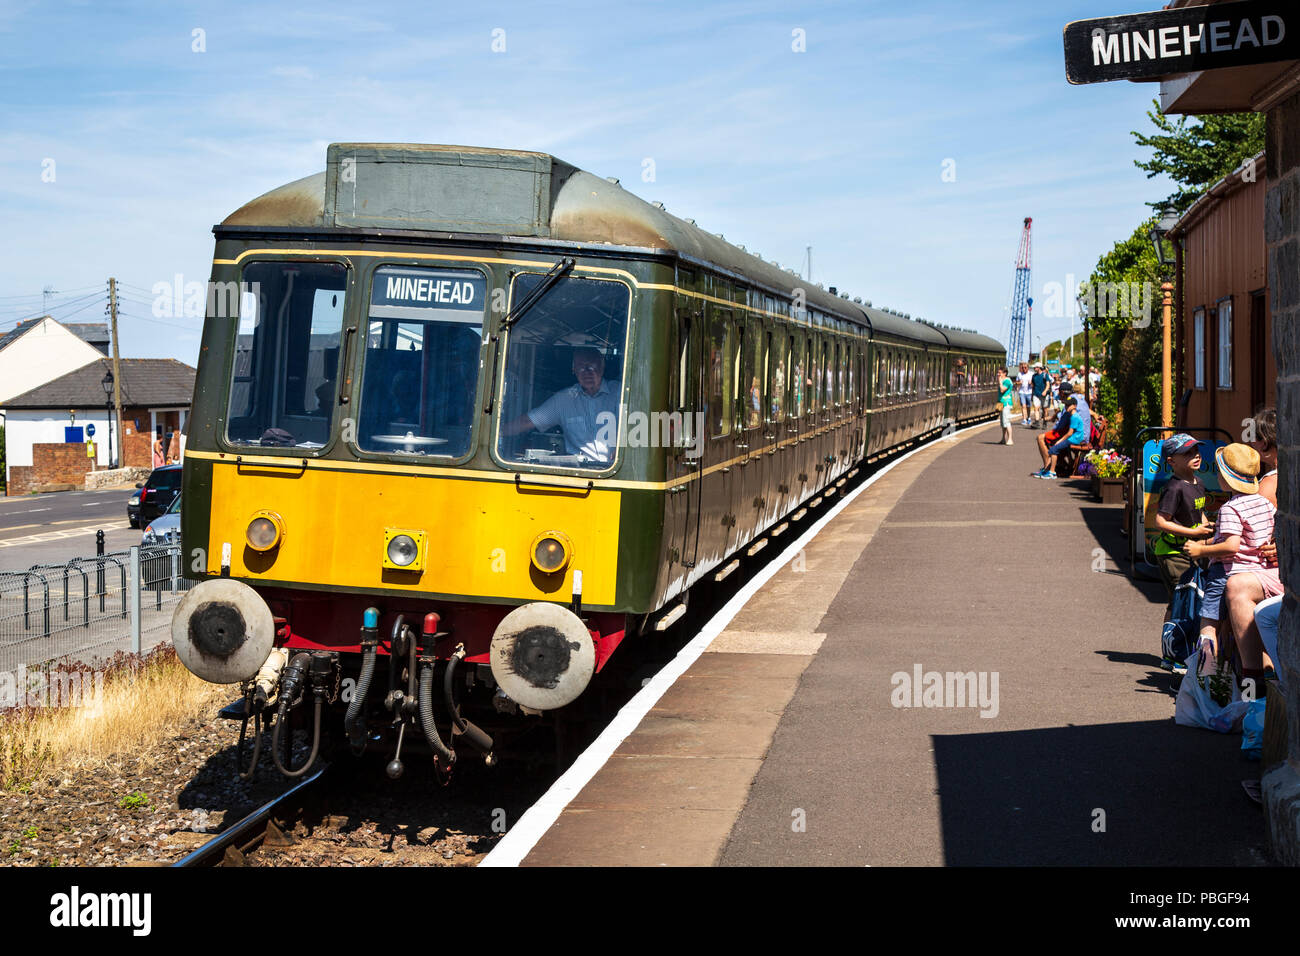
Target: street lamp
[
  {"x": 1167, "y": 256},
  {"x": 1165, "y": 253},
  {"x": 107, "y": 382}
]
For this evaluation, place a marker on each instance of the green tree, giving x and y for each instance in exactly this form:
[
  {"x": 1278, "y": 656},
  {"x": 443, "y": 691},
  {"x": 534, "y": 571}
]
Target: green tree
[
  {"x": 1199, "y": 153},
  {"x": 1126, "y": 312}
]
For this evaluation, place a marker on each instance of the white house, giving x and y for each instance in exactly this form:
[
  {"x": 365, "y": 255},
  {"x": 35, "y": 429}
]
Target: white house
[{"x": 44, "y": 349}]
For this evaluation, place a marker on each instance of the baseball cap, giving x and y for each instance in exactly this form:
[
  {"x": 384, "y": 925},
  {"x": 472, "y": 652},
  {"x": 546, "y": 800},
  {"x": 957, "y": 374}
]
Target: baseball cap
[{"x": 1177, "y": 444}]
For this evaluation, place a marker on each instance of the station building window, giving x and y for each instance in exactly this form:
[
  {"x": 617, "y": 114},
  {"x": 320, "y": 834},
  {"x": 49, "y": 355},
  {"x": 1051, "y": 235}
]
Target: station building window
[
  {"x": 1198, "y": 348},
  {"x": 1225, "y": 343}
]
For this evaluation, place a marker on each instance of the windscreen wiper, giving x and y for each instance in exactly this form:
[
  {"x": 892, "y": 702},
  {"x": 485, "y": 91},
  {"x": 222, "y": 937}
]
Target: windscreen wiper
[{"x": 558, "y": 272}]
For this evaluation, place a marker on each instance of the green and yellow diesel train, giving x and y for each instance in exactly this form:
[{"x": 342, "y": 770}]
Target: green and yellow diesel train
[{"x": 466, "y": 419}]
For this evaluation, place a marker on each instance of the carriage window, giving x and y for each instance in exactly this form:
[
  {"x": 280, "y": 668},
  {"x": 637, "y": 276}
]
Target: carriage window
[
  {"x": 563, "y": 382},
  {"x": 719, "y": 372},
  {"x": 755, "y": 375},
  {"x": 798, "y": 386},
  {"x": 419, "y": 376},
  {"x": 283, "y": 390},
  {"x": 779, "y": 364}
]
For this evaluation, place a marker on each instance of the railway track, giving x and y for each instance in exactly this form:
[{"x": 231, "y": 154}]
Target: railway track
[{"x": 269, "y": 825}]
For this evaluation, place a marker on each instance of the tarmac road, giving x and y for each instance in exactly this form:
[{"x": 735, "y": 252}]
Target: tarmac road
[{"x": 51, "y": 528}]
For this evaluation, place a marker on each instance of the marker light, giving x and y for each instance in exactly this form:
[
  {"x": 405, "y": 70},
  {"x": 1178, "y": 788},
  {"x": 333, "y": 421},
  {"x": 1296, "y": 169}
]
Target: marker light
[
  {"x": 551, "y": 552},
  {"x": 404, "y": 550},
  {"x": 264, "y": 531}
]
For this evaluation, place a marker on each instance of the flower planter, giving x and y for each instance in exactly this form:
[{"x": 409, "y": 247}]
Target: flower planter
[{"x": 1110, "y": 490}]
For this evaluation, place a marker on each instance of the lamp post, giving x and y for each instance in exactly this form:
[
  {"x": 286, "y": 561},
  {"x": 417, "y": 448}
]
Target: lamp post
[
  {"x": 1166, "y": 256},
  {"x": 107, "y": 382}
]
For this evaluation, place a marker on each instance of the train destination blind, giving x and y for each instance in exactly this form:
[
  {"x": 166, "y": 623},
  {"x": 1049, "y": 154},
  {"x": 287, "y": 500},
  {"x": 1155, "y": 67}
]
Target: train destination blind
[
  {"x": 1167, "y": 42},
  {"x": 418, "y": 293}
]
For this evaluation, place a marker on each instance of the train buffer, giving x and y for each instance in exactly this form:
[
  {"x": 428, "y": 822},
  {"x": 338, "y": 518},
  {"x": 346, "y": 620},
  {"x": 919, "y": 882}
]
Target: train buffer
[{"x": 956, "y": 670}]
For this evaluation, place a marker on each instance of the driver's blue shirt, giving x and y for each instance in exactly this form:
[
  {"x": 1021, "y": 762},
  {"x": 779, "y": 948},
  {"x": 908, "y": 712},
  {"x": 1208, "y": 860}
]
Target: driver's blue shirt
[{"x": 590, "y": 422}]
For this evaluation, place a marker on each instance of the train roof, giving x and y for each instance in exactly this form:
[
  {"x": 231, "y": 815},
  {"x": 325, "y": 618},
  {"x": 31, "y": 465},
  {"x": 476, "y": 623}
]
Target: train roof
[
  {"x": 970, "y": 341},
  {"x": 396, "y": 187}
]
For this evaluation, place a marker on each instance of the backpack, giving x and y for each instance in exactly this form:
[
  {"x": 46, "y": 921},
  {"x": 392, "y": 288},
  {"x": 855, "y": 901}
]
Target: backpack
[{"x": 1179, "y": 638}]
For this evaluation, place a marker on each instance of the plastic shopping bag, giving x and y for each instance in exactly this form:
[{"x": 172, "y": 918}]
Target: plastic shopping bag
[
  {"x": 1196, "y": 708},
  {"x": 1252, "y": 730}
]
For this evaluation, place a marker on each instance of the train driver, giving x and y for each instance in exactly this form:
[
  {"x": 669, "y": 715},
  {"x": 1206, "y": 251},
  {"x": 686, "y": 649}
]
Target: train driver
[{"x": 586, "y": 411}]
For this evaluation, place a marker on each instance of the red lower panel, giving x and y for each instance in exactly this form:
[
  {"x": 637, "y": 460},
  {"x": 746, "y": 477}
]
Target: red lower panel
[{"x": 332, "y": 622}]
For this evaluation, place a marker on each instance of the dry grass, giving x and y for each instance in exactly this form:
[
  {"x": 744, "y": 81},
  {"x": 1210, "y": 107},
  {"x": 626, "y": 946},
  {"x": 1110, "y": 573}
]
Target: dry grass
[{"x": 129, "y": 706}]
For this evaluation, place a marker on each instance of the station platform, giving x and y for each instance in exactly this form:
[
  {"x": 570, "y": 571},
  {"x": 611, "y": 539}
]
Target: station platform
[{"x": 787, "y": 741}]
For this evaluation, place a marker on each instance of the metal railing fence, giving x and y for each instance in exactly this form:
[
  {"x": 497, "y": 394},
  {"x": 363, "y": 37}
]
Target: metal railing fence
[{"x": 91, "y": 607}]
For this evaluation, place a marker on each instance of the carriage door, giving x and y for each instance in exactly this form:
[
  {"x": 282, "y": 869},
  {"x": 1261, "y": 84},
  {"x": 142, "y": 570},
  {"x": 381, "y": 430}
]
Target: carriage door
[{"x": 686, "y": 457}]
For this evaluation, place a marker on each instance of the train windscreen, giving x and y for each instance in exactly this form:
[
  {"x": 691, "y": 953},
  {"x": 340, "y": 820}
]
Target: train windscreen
[
  {"x": 419, "y": 375},
  {"x": 282, "y": 387},
  {"x": 563, "y": 381}
]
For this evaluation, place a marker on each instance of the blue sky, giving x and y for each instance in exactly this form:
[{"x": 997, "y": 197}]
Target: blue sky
[{"x": 842, "y": 146}]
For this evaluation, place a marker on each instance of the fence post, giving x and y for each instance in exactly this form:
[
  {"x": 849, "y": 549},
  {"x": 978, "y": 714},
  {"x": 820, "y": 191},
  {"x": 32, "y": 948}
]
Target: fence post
[
  {"x": 134, "y": 588},
  {"x": 176, "y": 562},
  {"x": 99, "y": 574}
]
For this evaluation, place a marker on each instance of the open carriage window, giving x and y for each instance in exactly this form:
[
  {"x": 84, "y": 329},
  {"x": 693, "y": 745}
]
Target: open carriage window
[
  {"x": 563, "y": 381},
  {"x": 420, "y": 372},
  {"x": 283, "y": 389}
]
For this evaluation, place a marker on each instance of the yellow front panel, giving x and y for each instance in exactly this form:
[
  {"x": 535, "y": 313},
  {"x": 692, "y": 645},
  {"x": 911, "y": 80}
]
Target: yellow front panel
[{"x": 480, "y": 533}]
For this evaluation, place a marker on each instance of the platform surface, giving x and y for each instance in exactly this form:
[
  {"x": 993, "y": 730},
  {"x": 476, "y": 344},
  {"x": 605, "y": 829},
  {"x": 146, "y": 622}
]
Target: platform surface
[{"x": 786, "y": 742}]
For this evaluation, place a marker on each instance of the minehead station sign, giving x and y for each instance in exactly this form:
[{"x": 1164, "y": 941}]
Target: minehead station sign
[{"x": 1150, "y": 45}]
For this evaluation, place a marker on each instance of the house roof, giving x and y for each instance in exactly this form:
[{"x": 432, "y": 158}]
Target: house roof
[
  {"x": 145, "y": 382},
  {"x": 92, "y": 333},
  {"x": 18, "y": 331}
]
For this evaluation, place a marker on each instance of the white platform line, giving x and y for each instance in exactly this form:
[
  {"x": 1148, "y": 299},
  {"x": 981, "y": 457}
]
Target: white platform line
[{"x": 541, "y": 816}]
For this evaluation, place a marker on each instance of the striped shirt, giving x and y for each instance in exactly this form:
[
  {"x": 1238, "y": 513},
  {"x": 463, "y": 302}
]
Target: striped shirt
[{"x": 1250, "y": 516}]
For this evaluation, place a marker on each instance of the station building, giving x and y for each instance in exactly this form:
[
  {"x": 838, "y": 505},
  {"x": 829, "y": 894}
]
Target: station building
[{"x": 1272, "y": 88}]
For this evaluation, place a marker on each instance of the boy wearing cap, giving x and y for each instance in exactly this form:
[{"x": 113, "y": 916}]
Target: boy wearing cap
[
  {"x": 1180, "y": 515},
  {"x": 1079, "y": 430},
  {"x": 1245, "y": 523}
]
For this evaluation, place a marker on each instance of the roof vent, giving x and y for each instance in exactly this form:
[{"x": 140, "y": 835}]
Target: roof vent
[
  {"x": 691, "y": 221},
  {"x": 832, "y": 290},
  {"x": 857, "y": 299},
  {"x": 657, "y": 205},
  {"x": 612, "y": 179}
]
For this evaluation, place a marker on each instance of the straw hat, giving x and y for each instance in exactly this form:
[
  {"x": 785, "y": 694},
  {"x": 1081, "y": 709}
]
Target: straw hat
[{"x": 1238, "y": 467}]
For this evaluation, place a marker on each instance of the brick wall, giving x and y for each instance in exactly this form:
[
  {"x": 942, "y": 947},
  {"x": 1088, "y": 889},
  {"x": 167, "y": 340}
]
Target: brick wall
[
  {"x": 137, "y": 449},
  {"x": 1282, "y": 234},
  {"x": 20, "y": 480},
  {"x": 52, "y": 463}
]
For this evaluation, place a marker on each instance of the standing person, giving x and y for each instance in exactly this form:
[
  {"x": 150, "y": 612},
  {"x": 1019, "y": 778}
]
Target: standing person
[
  {"x": 1005, "y": 387},
  {"x": 1038, "y": 387},
  {"x": 1024, "y": 379},
  {"x": 158, "y": 459},
  {"x": 1180, "y": 515}
]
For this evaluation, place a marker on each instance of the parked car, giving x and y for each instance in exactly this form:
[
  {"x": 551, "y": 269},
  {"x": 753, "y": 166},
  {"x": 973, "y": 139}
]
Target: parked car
[
  {"x": 164, "y": 527},
  {"x": 155, "y": 495}
]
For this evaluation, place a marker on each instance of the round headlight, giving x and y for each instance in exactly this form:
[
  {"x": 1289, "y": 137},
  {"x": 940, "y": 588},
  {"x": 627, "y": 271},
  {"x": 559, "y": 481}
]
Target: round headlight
[
  {"x": 264, "y": 531},
  {"x": 402, "y": 550},
  {"x": 551, "y": 552}
]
